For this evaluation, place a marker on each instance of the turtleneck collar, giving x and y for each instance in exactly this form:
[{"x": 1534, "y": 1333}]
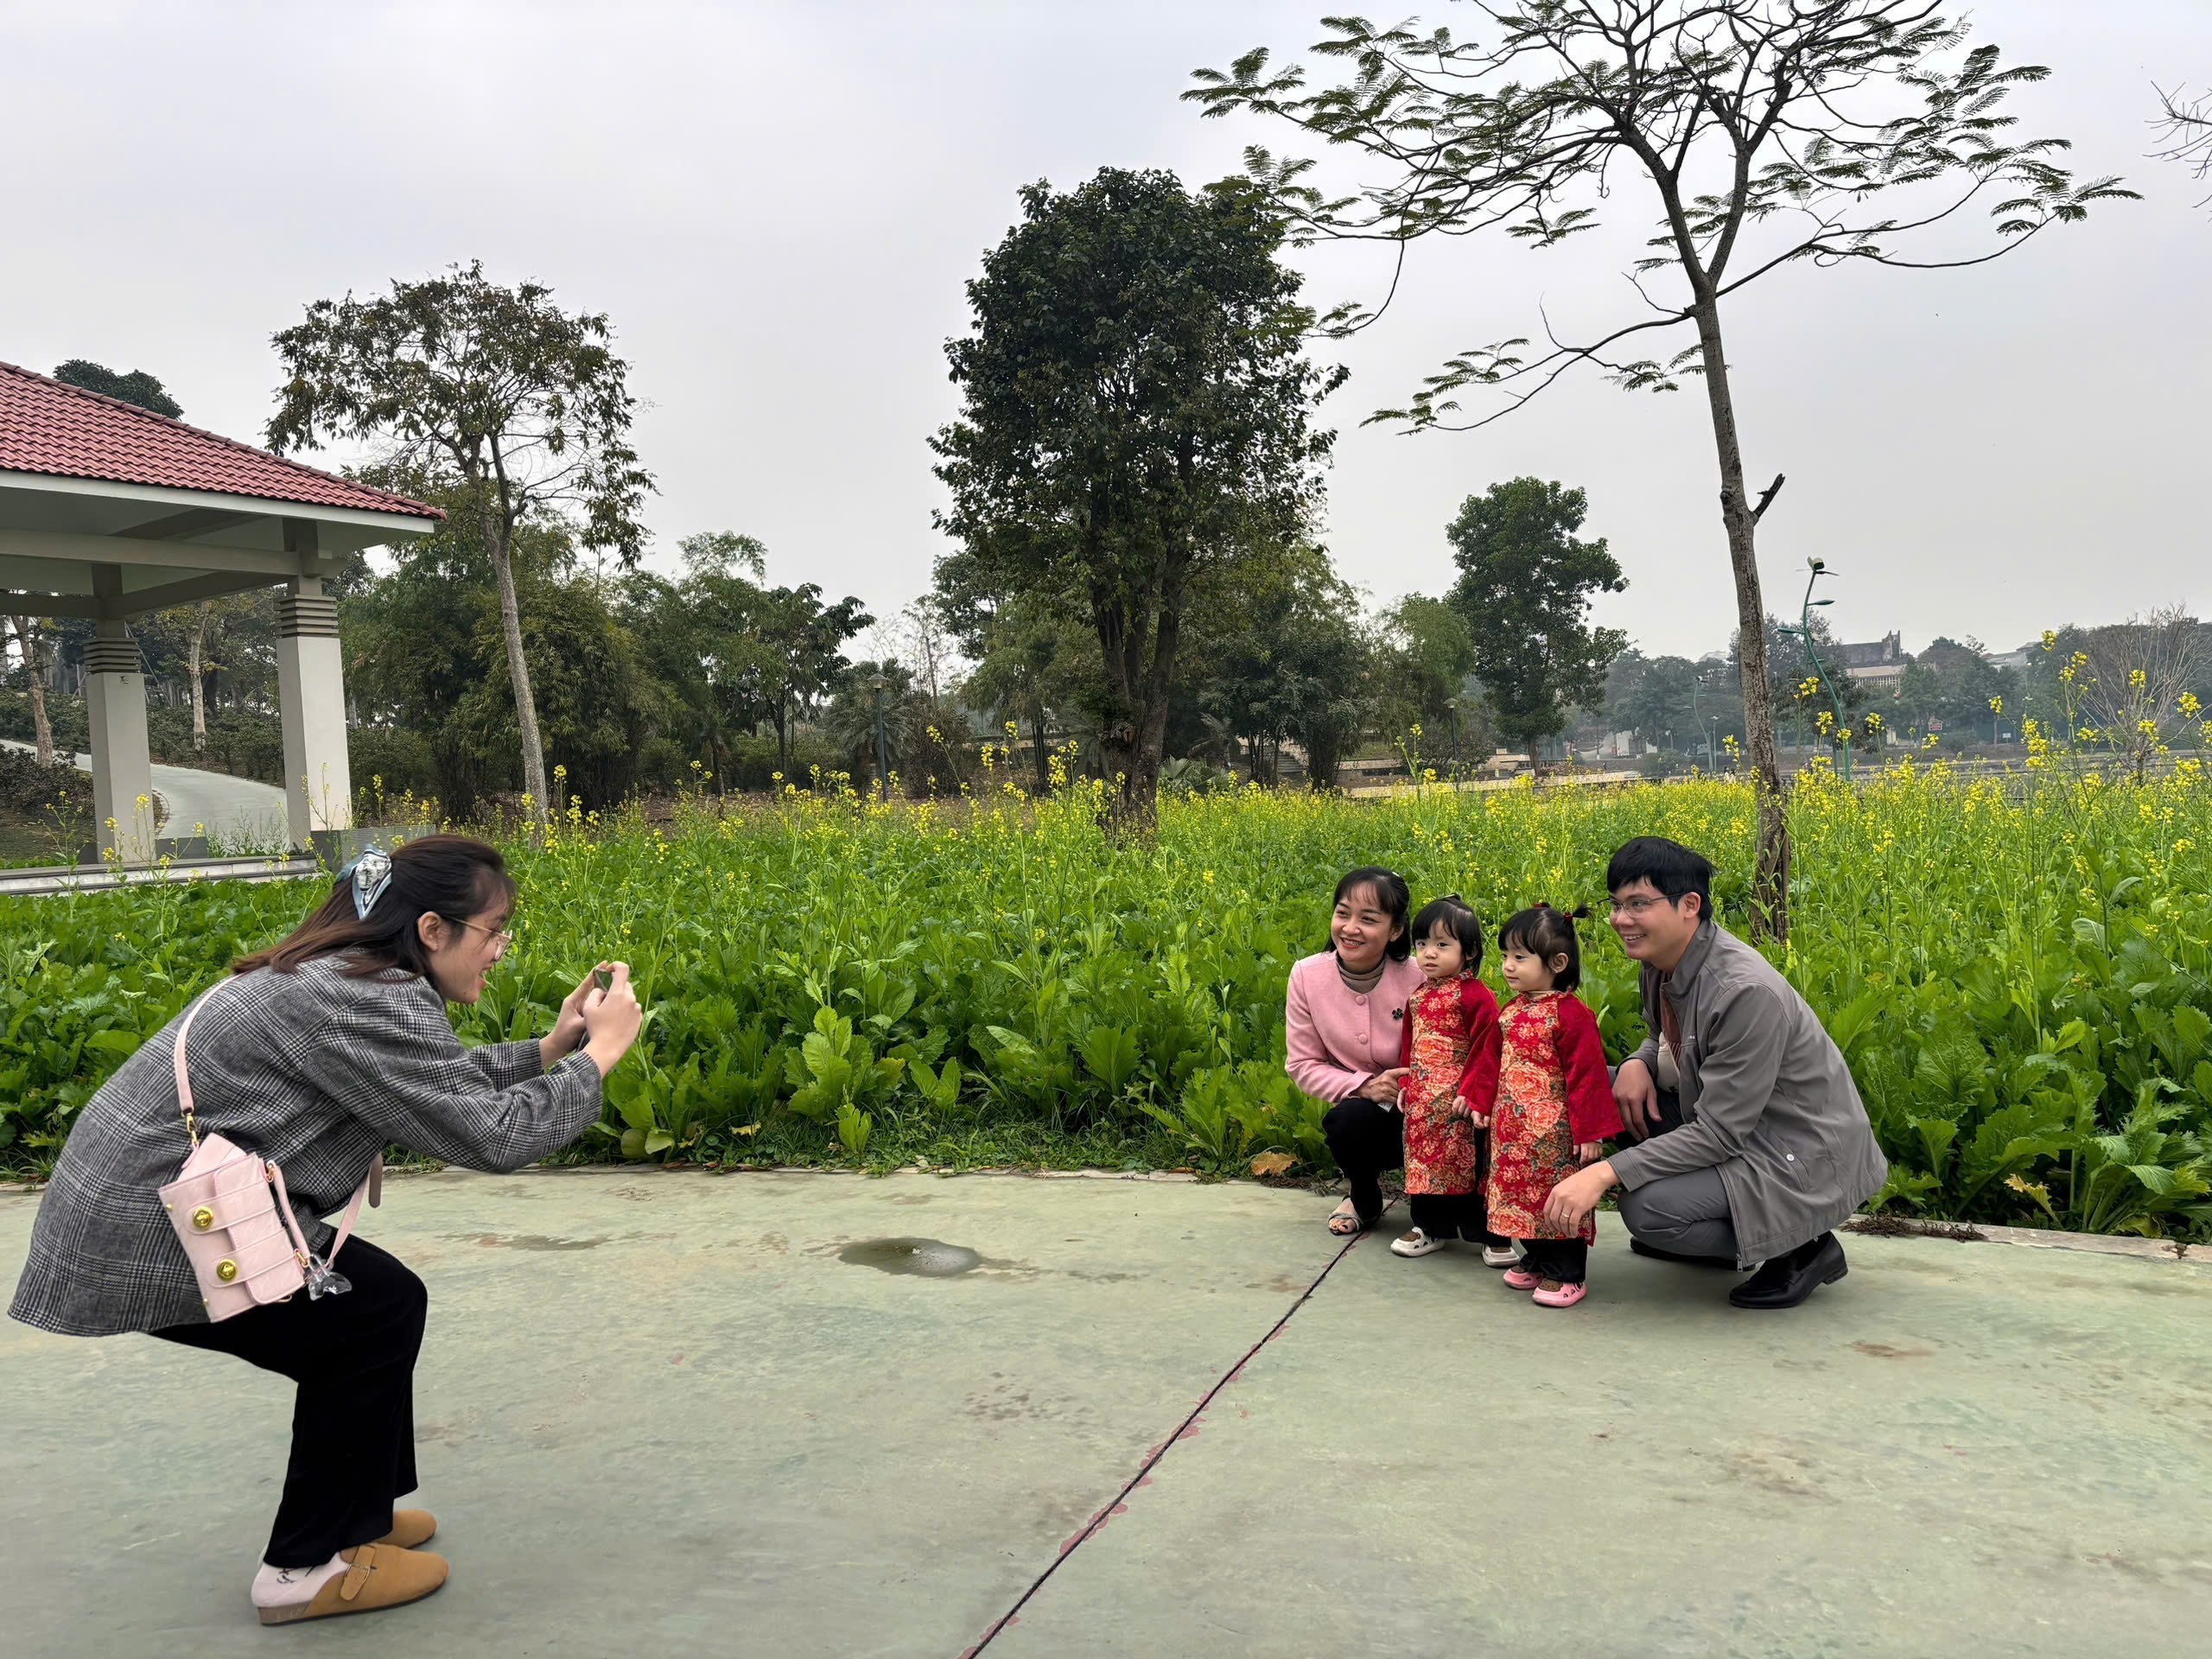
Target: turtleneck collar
[{"x": 1364, "y": 982}]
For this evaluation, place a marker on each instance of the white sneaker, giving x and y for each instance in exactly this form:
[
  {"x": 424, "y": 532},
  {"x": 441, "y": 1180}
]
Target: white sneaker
[
  {"x": 1417, "y": 1243},
  {"x": 1500, "y": 1256}
]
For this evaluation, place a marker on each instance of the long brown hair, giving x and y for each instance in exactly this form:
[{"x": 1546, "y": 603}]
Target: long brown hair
[{"x": 453, "y": 876}]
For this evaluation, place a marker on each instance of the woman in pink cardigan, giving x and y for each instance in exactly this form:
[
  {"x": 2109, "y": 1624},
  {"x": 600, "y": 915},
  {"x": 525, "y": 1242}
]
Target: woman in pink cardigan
[{"x": 1344, "y": 1015}]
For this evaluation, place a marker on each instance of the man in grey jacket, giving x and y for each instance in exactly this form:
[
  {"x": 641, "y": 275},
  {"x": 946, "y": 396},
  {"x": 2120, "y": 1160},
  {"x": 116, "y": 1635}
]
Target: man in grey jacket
[{"x": 1753, "y": 1141}]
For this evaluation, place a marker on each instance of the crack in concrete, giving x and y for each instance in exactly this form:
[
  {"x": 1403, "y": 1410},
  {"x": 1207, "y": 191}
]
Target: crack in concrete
[{"x": 1118, "y": 1504}]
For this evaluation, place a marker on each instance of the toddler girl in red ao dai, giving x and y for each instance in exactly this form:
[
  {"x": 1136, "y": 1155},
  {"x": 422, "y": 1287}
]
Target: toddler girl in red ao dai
[
  {"x": 1450, "y": 1053},
  {"x": 1552, "y": 1106}
]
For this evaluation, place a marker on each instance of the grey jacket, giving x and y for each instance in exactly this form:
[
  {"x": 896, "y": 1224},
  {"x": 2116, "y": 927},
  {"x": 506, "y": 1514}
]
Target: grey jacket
[
  {"x": 310, "y": 1069},
  {"x": 1767, "y": 1099}
]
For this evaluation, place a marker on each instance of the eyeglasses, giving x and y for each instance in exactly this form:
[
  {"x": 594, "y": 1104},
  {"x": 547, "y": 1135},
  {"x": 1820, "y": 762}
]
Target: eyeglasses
[
  {"x": 499, "y": 936},
  {"x": 1636, "y": 906}
]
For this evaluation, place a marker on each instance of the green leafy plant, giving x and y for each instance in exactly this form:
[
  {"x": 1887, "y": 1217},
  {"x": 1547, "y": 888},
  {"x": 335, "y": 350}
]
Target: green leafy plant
[{"x": 2018, "y": 972}]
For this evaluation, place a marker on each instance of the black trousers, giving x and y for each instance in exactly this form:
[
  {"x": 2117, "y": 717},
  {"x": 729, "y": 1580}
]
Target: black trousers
[
  {"x": 1566, "y": 1259},
  {"x": 1366, "y": 1137},
  {"x": 353, "y": 1422},
  {"x": 1451, "y": 1215}
]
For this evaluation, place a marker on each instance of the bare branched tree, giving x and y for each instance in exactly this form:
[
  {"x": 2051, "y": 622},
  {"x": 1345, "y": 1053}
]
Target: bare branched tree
[
  {"x": 2184, "y": 128},
  {"x": 1767, "y": 133},
  {"x": 2137, "y": 672}
]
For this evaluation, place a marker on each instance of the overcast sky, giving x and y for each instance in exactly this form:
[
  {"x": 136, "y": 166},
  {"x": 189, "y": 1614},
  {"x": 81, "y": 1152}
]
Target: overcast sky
[{"x": 778, "y": 205}]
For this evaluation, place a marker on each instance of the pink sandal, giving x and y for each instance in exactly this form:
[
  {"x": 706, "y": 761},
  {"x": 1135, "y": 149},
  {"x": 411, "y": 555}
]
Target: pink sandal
[
  {"x": 1552, "y": 1294},
  {"x": 1521, "y": 1278}
]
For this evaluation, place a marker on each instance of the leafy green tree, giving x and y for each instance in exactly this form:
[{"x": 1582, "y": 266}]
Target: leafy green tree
[
  {"x": 1136, "y": 410},
  {"x": 707, "y": 645},
  {"x": 1036, "y": 664},
  {"x": 1524, "y": 588},
  {"x": 1283, "y": 658},
  {"x": 1767, "y": 134},
  {"x": 36, "y": 649},
  {"x": 34, "y": 640},
  {"x": 424, "y": 644},
  {"x": 915, "y": 728},
  {"x": 1427, "y": 658},
  {"x": 1661, "y": 700},
  {"x": 136, "y": 387},
  {"x": 802, "y": 644},
  {"x": 1800, "y": 687},
  {"x": 524, "y": 405},
  {"x": 1950, "y": 686}
]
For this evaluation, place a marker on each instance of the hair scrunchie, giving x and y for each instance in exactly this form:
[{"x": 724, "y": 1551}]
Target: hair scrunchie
[{"x": 370, "y": 873}]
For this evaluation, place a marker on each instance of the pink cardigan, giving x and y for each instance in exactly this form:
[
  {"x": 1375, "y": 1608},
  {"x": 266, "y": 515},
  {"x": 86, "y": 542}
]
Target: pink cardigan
[{"x": 1338, "y": 1039}]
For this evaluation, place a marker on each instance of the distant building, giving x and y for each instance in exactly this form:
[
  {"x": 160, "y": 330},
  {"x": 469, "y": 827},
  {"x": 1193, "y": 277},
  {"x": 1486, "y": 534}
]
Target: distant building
[
  {"x": 2019, "y": 659},
  {"x": 1879, "y": 663}
]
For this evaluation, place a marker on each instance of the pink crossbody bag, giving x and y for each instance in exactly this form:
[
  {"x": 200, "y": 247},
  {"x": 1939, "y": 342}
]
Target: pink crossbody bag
[{"x": 235, "y": 1220}]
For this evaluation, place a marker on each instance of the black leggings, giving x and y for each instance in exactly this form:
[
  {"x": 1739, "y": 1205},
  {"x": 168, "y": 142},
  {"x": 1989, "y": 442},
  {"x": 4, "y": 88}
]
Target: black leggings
[
  {"x": 1366, "y": 1137},
  {"x": 1452, "y": 1215},
  {"x": 353, "y": 1422}
]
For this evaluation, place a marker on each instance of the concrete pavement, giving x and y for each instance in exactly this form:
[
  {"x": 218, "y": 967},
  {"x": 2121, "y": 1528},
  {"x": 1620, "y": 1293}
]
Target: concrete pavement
[{"x": 683, "y": 1414}]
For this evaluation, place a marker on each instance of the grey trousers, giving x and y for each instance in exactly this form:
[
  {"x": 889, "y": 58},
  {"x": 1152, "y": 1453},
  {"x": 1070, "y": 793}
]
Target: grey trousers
[{"x": 1689, "y": 1213}]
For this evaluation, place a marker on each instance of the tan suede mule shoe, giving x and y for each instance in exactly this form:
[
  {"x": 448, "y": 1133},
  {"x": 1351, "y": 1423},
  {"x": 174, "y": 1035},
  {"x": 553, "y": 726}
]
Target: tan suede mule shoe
[
  {"x": 377, "y": 1577},
  {"x": 411, "y": 1529}
]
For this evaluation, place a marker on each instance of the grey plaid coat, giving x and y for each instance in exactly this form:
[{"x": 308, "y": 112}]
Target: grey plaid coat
[{"x": 313, "y": 1070}]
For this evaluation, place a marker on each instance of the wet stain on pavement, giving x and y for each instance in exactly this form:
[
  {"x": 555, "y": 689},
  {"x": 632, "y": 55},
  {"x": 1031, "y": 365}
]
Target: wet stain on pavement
[
  {"x": 526, "y": 1242},
  {"x": 925, "y": 1258},
  {"x": 1891, "y": 1350}
]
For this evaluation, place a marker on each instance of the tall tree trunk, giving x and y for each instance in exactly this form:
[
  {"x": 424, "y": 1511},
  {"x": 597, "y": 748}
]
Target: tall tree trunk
[
  {"x": 1037, "y": 731},
  {"x": 533, "y": 749},
  {"x": 1134, "y": 737},
  {"x": 1770, "y": 880},
  {"x": 199, "y": 685},
  {"x": 31, "y": 639}
]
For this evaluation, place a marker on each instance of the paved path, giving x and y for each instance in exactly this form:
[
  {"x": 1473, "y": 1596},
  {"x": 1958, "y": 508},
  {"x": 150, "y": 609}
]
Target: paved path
[
  {"x": 677, "y": 1415},
  {"x": 229, "y": 808}
]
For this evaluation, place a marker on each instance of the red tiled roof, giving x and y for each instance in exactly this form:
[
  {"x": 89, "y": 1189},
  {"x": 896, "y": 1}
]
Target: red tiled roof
[{"x": 47, "y": 427}]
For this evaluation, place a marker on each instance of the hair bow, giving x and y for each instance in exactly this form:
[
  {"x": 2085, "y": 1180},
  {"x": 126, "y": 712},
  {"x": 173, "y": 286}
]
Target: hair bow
[{"x": 370, "y": 872}]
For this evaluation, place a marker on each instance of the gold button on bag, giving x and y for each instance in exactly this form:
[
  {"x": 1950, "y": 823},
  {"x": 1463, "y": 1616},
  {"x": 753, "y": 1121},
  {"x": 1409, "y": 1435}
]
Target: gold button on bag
[
  {"x": 227, "y": 1270},
  {"x": 203, "y": 1218}
]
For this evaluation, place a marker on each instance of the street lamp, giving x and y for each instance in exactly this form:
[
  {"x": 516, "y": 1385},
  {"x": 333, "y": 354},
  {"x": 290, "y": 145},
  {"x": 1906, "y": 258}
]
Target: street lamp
[
  {"x": 882, "y": 752},
  {"x": 1804, "y": 631}
]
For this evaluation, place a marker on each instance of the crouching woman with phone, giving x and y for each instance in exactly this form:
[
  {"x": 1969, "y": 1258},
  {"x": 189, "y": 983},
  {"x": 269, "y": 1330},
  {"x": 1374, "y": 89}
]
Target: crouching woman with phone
[{"x": 313, "y": 1056}]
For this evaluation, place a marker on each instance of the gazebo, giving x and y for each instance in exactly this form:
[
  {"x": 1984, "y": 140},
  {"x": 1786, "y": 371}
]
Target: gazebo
[{"x": 108, "y": 511}]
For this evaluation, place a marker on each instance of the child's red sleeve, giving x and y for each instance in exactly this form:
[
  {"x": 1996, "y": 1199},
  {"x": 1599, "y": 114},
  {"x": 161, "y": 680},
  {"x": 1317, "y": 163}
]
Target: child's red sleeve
[
  {"x": 1406, "y": 1031},
  {"x": 1592, "y": 1112},
  {"x": 1478, "y": 1081}
]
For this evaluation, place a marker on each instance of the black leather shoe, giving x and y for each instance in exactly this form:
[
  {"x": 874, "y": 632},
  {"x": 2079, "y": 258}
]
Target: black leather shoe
[
  {"x": 1789, "y": 1280},
  {"x": 1658, "y": 1255}
]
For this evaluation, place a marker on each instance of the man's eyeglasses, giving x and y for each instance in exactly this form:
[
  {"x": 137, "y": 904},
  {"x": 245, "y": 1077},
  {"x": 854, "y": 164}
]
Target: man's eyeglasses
[{"x": 1635, "y": 907}]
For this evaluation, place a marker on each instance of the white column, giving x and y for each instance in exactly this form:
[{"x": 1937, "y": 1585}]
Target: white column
[
  {"x": 122, "y": 772},
  {"x": 311, "y": 689}
]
